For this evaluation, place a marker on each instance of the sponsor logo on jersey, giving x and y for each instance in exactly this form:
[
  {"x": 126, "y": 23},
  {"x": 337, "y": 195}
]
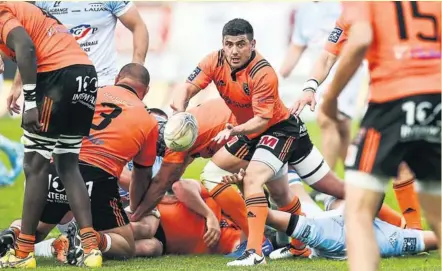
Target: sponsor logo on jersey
[
  {"x": 268, "y": 141},
  {"x": 57, "y": 4},
  {"x": 246, "y": 89},
  {"x": 194, "y": 74},
  {"x": 95, "y": 7},
  {"x": 80, "y": 31},
  {"x": 335, "y": 35}
]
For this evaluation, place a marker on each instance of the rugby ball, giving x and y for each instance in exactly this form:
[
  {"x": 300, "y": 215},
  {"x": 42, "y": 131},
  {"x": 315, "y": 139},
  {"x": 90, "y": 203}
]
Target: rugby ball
[{"x": 181, "y": 132}]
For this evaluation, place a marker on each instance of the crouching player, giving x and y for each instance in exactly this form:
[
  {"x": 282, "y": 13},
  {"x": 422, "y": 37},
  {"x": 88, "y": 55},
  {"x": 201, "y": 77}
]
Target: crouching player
[
  {"x": 103, "y": 156},
  {"x": 207, "y": 230}
]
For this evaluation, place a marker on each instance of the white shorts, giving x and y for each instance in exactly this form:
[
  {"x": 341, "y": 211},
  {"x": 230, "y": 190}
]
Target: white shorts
[{"x": 349, "y": 103}]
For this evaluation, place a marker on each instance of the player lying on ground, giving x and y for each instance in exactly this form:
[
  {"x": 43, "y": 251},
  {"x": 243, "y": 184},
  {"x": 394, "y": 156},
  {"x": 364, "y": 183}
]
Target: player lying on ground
[
  {"x": 324, "y": 232},
  {"x": 212, "y": 117},
  {"x": 403, "y": 185},
  {"x": 102, "y": 158},
  {"x": 54, "y": 69},
  {"x": 207, "y": 230}
]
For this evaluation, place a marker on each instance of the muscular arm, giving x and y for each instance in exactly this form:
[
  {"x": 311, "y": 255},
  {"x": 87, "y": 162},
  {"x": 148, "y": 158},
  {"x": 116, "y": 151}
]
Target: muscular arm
[
  {"x": 182, "y": 96},
  {"x": 132, "y": 21},
  {"x": 352, "y": 56},
  {"x": 322, "y": 66},
  {"x": 254, "y": 125},
  {"x": 140, "y": 181},
  {"x": 166, "y": 176},
  {"x": 189, "y": 193},
  {"x": 291, "y": 59},
  {"x": 19, "y": 41}
]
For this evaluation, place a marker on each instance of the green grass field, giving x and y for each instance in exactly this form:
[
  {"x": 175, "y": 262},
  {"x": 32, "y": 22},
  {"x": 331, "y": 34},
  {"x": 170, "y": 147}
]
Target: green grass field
[{"x": 11, "y": 199}]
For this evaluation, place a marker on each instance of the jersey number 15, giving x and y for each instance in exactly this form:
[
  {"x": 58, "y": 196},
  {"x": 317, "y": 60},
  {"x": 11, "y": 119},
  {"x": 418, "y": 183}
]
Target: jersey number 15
[{"x": 403, "y": 33}]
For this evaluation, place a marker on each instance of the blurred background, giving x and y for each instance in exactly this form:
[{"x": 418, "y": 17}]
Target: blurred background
[{"x": 182, "y": 33}]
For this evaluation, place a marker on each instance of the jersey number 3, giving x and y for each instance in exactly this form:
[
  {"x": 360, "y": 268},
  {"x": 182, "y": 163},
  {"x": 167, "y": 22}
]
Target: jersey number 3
[
  {"x": 107, "y": 117},
  {"x": 403, "y": 33}
]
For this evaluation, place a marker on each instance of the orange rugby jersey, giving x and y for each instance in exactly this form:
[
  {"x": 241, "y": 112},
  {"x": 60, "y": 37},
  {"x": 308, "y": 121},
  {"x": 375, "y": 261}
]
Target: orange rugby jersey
[
  {"x": 248, "y": 91},
  {"x": 54, "y": 45},
  {"x": 122, "y": 129},
  {"x": 338, "y": 37},
  {"x": 405, "y": 56},
  {"x": 212, "y": 117},
  {"x": 183, "y": 228}
]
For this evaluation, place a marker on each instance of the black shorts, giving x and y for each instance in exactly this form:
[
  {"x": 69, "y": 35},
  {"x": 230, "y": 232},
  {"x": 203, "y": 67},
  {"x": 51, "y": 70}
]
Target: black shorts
[
  {"x": 66, "y": 100},
  {"x": 405, "y": 130},
  {"x": 107, "y": 210},
  {"x": 287, "y": 140}
]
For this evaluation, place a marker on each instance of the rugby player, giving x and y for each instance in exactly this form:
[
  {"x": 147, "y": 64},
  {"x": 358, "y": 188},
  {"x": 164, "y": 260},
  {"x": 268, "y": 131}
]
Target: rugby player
[
  {"x": 93, "y": 26},
  {"x": 212, "y": 117},
  {"x": 207, "y": 230},
  {"x": 324, "y": 232},
  {"x": 59, "y": 92},
  {"x": 314, "y": 22},
  {"x": 403, "y": 119},
  {"x": 403, "y": 186},
  {"x": 249, "y": 86},
  {"x": 103, "y": 156}
]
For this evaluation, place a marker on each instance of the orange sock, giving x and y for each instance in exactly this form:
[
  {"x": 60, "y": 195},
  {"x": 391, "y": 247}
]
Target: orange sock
[
  {"x": 24, "y": 245},
  {"x": 257, "y": 211},
  {"x": 89, "y": 239},
  {"x": 16, "y": 230},
  {"x": 390, "y": 216},
  {"x": 409, "y": 203},
  {"x": 232, "y": 205},
  {"x": 294, "y": 208}
]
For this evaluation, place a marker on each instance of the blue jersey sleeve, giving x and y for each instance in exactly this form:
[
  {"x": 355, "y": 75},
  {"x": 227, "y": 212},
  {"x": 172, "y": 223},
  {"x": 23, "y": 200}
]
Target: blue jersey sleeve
[
  {"x": 43, "y": 4},
  {"x": 118, "y": 8}
]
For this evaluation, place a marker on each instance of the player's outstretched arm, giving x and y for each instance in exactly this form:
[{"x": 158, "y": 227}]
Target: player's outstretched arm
[
  {"x": 182, "y": 97},
  {"x": 132, "y": 20},
  {"x": 163, "y": 180},
  {"x": 291, "y": 59},
  {"x": 140, "y": 181},
  {"x": 359, "y": 40}
]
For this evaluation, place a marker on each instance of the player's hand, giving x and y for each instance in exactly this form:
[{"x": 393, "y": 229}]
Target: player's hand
[
  {"x": 330, "y": 107},
  {"x": 11, "y": 101},
  {"x": 211, "y": 237},
  {"x": 236, "y": 178},
  {"x": 308, "y": 98},
  {"x": 31, "y": 121},
  {"x": 224, "y": 135}
]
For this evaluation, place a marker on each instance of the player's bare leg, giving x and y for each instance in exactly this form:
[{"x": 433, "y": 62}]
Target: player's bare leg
[
  {"x": 335, "y": 137},
  {"x": 257, "y": 174},
  {"x": 67, "y": 167},
  {"x": 36, "y": 167},
  {"x": 430, "y": 198},
  {"x": 364, "y": 194}
]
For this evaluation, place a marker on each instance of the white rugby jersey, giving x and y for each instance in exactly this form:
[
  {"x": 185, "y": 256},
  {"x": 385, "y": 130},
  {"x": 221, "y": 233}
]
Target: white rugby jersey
[
  {"x": 93, "y": 26},
  {"x": 314, "y": 21}
]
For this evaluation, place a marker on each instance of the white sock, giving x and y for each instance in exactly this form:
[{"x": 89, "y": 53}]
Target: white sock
[
  {"x": 44, "y": 248},
  {"x": 109, "y": 243},
  {"x": 299, "y": 227}
]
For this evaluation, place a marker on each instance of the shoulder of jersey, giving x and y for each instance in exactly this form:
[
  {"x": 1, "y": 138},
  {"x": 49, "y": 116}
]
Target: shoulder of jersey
[
  {"x": 259, "y": 65},
  {"x": 218, "y": 58}
]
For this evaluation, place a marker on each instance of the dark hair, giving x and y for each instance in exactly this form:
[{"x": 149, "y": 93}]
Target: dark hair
[
  {"x": 237, "y": 27},
  {"x": 136, "y": 72},
  {"x": 159, "y": 112}
]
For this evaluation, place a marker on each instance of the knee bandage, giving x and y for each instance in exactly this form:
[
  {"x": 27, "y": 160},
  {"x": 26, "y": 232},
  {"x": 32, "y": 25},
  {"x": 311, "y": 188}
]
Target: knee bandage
[{"x": 212, "y": 175}]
